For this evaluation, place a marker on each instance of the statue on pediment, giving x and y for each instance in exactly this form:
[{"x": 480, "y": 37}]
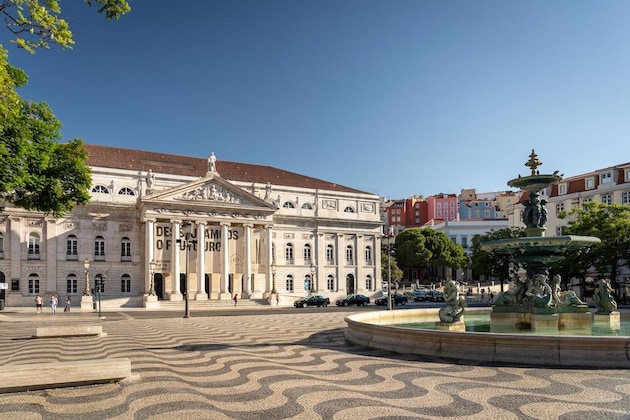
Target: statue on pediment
[{"x": 212, "y": 163}]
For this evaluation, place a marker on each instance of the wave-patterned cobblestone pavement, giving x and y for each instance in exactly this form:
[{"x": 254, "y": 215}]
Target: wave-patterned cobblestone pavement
[{"x": 291, "y": 365}]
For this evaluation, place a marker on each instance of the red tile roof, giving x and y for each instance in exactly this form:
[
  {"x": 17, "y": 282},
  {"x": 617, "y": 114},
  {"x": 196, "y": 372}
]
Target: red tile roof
[{"x": 139, "y": 160}]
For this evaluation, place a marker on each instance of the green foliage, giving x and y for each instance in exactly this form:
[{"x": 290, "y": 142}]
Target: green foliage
[
  {"x": 397, "y": 273},
  {"x": 611, "y": 224},
  {"x": 491, "y": 263},
  {"x": 37, "y": 172},
  {"x": 421, "y": 247},
  {"x": 36, "y": 25}
]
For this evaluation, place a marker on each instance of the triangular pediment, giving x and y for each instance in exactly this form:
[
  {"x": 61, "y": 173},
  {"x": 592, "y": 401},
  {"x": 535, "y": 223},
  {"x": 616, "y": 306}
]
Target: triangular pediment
[{"x": 211, "y": 191}]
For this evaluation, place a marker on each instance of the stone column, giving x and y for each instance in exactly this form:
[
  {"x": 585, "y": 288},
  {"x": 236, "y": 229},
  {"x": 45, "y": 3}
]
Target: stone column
[
  {"x": 225, "y": 262},
  {"x": 270, "y": 257},
  {"x": 248, "y": 259},
  {"x": 50, "y": 254},
  {"x": 201, "y": 262},
  {"x": 341, "y": 261},
  {"x": 176, "y": 293}
]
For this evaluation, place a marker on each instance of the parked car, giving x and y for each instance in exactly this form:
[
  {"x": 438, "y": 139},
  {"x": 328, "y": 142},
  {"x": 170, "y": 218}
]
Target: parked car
[
  {"x": 420, "y": 295},
  {"x": 436, "y": 296},
  {"x": 356, "y": 299},
  {"x": 397, "y": 299},
  {"x": 312, "y": 300}
]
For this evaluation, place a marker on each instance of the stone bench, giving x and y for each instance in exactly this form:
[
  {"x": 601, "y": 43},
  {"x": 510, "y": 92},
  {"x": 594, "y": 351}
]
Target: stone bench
[
  {"x": 68, "y": 331},
  {"x": 15, "y": 378}
]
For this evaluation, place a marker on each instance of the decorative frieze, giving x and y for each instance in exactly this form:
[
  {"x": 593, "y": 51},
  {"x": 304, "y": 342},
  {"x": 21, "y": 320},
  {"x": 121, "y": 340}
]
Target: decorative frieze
[
  {"x": 210, "y": 193},
  {"x": 100, "y": 227},
  {"x": 367, "y": 207},
  {"x": 125, "y": 227},
  {"x": 34, "y": 222},
  {"x": 329, "y": 204},
  {"x": 289, "y": 236}
]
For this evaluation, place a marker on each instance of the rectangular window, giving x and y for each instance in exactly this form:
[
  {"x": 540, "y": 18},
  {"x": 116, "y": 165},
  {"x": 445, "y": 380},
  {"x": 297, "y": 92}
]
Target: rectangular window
[
  {"x": 368, "y": 283},
  {"x": 71, "y": 286},
  {"x": 33, "y": 286},
  {"x": 559, "y": 207},
  {"x": 625, "y": 197},
  {"x": 465, "y": 242},
  {"x": 330, "y": 284},
  {"x": 562, "y": 189},
  {"x": 607, "y": 198},
  {"x": 606, "y": 178},
  {"x": 589, "y": 183},
  {"x": 289, "y": 285},
  {"x": 125, "y": 285},
  {"x": 628, "y": 175}
]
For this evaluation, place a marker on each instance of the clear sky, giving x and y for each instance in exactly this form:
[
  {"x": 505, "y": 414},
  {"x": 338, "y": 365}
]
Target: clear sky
[{"x": 393, "y": 97}]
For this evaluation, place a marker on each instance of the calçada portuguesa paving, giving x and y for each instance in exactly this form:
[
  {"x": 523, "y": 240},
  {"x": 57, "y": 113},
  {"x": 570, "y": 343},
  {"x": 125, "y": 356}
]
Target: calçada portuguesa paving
[{"x": 284, "y": 363}]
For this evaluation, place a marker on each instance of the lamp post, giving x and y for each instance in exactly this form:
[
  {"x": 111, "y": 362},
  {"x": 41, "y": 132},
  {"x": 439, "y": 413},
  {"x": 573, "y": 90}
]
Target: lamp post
[
  {"x": 86, "y": 266},
  {"x": 273, "y": 276},
  {"x": 187, "y": 231},
  {"x": 99, "y": 287},
  {"x": 152, "y": 266},
  {"x": 389, "y": 268},
  {"x": 313, "y": 290}
]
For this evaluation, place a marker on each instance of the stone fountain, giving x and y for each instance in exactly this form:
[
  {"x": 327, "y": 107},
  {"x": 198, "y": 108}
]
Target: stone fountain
[
  {"x": 534, "y": 323},
  {"x": 535, "y": 301}
]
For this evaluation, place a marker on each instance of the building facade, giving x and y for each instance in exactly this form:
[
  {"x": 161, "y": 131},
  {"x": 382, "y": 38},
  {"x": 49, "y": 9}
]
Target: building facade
[{"x": 159, "y": 225}]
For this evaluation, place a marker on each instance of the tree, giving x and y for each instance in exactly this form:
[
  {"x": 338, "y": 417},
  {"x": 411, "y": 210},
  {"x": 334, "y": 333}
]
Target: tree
[
  {"x": 36, "y": 25},
  {"x": 396, "y": 272},
  {"x": 423, "y": 247},
  {"x": 492, "y": 264},
  {"x": 38, "y": 172},
  {"x": 611, "y": 224}
]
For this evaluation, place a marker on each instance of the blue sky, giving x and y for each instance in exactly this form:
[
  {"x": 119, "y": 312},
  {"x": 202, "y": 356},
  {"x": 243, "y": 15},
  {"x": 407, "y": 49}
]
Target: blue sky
[{"x": 391, "y": 97}]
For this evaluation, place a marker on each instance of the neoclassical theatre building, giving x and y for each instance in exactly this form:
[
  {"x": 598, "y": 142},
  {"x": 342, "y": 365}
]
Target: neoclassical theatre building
[{"x": 159, "y": 225}]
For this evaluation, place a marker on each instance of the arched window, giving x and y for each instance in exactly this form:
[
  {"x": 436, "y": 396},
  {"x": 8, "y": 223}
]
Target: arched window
[
  {"x": 607, "y": 198},
  {"x": 99, "y": 249},
  {"x": 72, "y": 248},
  {"x": 100, "y": 189},
  {"x": 33, "y": 284},
  {"x": 330, "y": 255},
  {"x": 72, "y": 284},
  {"x": 368, "y": 255},
  {"x": 307, "y": 206},
  {"x": 288, "y": 253},
  {"x": 368, "y": 283},
  {"x": 125, "y": 249},
  {"x": 330, "y": 283},
  {"x": 348, "y": 209},
  {"x": 125, "y": 283},
  {"x": 33, "y": 246},
  {"x": 349, "y": 255},
  {"x": 126, "y": 191},
  {"x": 289, "y": 283},
  {"x": 307, "y": 254},
  {"x": 288, "y": 205}
]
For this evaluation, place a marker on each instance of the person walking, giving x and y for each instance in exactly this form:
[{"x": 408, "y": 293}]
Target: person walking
[
  {"x": 68, "y": 304},
  {"x": 39, "y": 303},
  {"x": 235, "y": 298},
  {"x": 53, "y": 304}
]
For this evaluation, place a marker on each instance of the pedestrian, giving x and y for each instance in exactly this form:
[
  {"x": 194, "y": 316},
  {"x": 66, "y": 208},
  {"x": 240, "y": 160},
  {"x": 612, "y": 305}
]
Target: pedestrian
[
  {"x": 483, "y": 294},
  {"x": 277, "y": 299},
  {"x": 39, "y": 302},
  {"x": 235, "y": 298},
  {"x": 68, "y": 304},
  {"x": 53, "y": 304},
  {"x": 491, "y": 296}
]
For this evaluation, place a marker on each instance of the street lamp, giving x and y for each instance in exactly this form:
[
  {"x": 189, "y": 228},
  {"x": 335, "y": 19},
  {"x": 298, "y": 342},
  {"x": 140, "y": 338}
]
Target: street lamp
[
  {"x": 273, "y": 276},
  {"x": 86, "y": 265},
  {"x": 152, "y": 266},
  {"x": 99, "y": 287},
  {"x": 313, "y": 290},
  {"x": 389, "y": 268},
  {"x": 187, "y": 231}
]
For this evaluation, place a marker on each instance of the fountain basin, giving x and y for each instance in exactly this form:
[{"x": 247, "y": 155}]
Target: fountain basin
[{"x": 376, "y": 330}]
